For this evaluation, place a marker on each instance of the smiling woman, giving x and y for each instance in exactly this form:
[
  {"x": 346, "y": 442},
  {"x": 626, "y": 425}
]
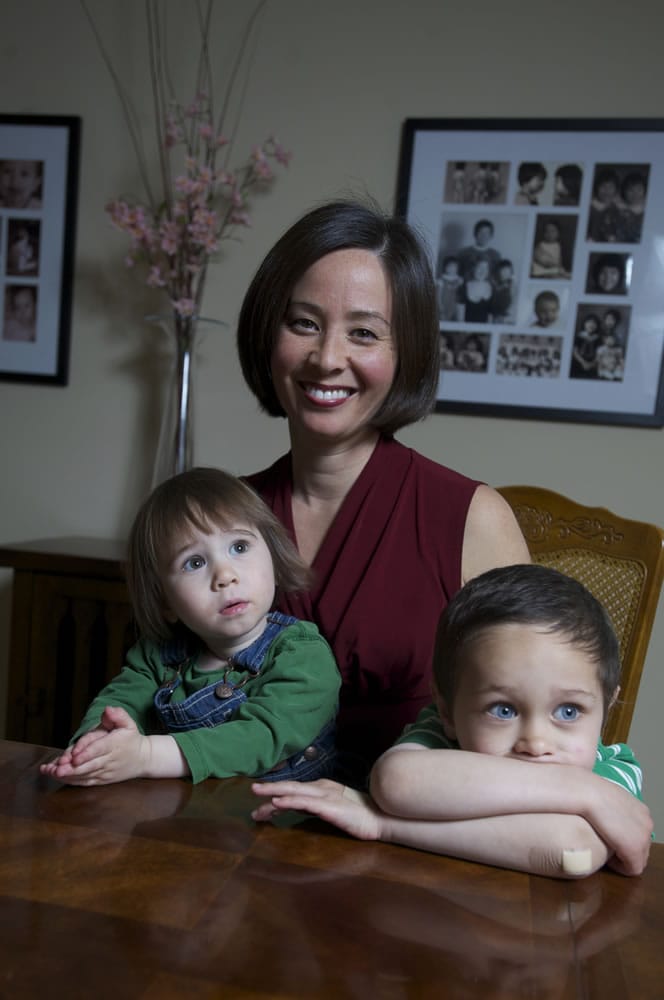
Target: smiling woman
[
  {"x": 334, "y": 357},
  {"x": 338, "y": 333}
]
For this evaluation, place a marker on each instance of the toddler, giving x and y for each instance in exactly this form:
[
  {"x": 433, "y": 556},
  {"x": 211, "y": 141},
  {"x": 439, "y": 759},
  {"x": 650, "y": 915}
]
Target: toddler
[
  {"x": 548, "y": 254},
  {"x": 449, "y": 286},
  {"x": 219, "y": 684}
]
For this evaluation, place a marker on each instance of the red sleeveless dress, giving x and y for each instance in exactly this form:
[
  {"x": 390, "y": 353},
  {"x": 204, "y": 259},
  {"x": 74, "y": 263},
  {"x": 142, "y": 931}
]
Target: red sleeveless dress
[{"x": 388, "y": 565}]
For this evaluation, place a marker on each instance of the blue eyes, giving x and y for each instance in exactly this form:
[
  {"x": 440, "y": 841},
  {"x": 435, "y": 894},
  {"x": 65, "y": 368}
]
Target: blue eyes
[
  {"x": 239, "y": 548},
  {"x": 567, "y": 713},
  {"x": 193, "y": 563},
  {"x": 503, "y": 711},
  {"x": 562, "y": 713},
  {"x": 196, "y": 562}
]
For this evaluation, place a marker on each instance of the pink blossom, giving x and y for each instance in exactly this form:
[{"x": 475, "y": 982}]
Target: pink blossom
[
  {"x": 168, "y": 232},
  {"x": 173, "y": 133},
  {"x": 205, "y": 130},
  {"x": 185, "y": 185},
  {"x": 282, "y": 155},
  {"x": 203, "y": 229},
  {"x": 206, "y": 175},
  {"x": 154, "y": 278},
  {"x": 240, "y": 218},
  {"x": 261, "y": 166},
  {"x": 184, "y": 306}
]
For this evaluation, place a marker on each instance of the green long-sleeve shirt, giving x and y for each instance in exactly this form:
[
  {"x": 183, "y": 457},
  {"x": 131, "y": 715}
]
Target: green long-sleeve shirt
[{"x": 287, "y": 705}]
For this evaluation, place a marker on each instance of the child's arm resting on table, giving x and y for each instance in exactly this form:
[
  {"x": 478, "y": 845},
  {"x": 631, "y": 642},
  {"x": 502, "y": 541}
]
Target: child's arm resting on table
[
  {"x": 529, "y": 843},
  {"x": 116, "y": 751},
  {"x": 435, "y": 786},
  {"x": 491, "y": 810}
]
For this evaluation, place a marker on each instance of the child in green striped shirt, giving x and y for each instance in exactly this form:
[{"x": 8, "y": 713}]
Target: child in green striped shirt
[{"x": 526, "y": 667}]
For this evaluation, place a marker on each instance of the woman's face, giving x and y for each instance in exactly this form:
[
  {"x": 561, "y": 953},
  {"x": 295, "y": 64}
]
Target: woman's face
[{"x": 334, "y": 358}]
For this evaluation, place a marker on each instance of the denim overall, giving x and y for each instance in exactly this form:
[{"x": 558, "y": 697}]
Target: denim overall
[{"x": 218, "y": 702}]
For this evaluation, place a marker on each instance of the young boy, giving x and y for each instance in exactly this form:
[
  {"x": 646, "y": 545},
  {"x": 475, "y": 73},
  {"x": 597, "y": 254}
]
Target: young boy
[
  {"x": 218, "y": 684},
  {"x": 526, "y": 667}
]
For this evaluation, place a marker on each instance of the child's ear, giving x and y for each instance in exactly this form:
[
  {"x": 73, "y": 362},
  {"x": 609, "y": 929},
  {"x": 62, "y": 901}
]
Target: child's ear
[{"x": 445, "y": 715}]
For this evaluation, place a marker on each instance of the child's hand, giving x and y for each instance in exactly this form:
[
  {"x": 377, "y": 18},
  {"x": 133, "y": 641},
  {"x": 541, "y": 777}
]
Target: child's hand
[
  {"x": 340, "y": 805},
  {"x": 114, "y": 751},
  {"x": 64, "y": 759},
  {"x": 624, "y": 824}
]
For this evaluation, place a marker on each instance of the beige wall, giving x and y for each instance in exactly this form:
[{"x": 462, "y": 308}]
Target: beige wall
[{"x": 334, "y": 81}]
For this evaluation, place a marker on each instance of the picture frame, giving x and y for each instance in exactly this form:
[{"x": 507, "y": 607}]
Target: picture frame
[
  {"x": 39, "y": 160},
  {"x": 546, "y": 241}
]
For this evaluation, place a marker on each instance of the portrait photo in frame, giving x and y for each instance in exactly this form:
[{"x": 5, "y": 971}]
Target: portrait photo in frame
[
  {"x": 546, "y": 239},
  {"x": 39, "y": 156}
]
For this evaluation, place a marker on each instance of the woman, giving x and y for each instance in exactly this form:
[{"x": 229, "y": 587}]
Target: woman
[{"x": 338, "y": 332}]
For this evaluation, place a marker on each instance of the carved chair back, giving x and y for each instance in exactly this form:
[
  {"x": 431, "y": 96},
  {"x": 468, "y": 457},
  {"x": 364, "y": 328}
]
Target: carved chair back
[{"x": 620, "y": 561}]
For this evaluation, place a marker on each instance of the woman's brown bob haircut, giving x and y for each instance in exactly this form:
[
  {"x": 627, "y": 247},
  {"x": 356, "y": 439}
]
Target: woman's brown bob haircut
[
  {"x": 345, "y": 225},
  {"x": 203, "y": 499}
]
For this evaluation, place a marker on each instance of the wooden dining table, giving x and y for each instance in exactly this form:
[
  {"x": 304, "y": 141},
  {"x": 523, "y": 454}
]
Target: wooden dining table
[{"x": 164, "y": 889}]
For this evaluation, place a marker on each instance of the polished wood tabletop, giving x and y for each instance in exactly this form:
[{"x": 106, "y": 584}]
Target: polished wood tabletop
[{"x": 161, "y": 889}]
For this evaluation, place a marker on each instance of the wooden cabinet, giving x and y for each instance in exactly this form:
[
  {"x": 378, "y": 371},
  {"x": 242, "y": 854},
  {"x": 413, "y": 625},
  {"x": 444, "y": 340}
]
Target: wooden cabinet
[{"x": 70, "y": 628}]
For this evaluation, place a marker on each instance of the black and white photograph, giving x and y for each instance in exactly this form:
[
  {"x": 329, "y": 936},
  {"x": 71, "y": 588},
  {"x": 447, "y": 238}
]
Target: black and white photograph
[
  {"x": 545, "y": 306},
  {"x": 21, "y": 183},
  {"x": 553, "y": 246},
  {"x": 557, "y": 184},
  {"x": 476, "y": 183},
  {"x": 529, "y": 355},
  {"x": 23, "y": 247},
  {"x": 38, "y": 193},
  {"x": 463, "y": 351},
  {"x": 19, "y": 322},
  {"x": 599, "y": 350},
  {"x": 609, "y": 273},
  {"x": 477, "y": 270},
  {"x": 564, "y": 276},
  {"x": 618, "y": 203}
]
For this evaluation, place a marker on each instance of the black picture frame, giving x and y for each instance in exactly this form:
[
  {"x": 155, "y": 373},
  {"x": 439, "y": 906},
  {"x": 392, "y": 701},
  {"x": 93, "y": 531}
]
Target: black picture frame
[
  {"x": 567, "y": 217},
  {"x": 39, "y": 163}
]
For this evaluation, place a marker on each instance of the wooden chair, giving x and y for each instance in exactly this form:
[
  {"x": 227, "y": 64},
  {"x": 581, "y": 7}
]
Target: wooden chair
[{"x": 620, "y": 561}]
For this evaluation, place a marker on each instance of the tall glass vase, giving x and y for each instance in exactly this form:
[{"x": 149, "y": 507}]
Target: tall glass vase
[{"x": 175, "y": 448}]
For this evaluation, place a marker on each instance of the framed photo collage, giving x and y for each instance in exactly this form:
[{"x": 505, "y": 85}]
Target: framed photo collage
[
  {"x": 547, "y": 244},
  {"x": 38, "y": 180}
]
